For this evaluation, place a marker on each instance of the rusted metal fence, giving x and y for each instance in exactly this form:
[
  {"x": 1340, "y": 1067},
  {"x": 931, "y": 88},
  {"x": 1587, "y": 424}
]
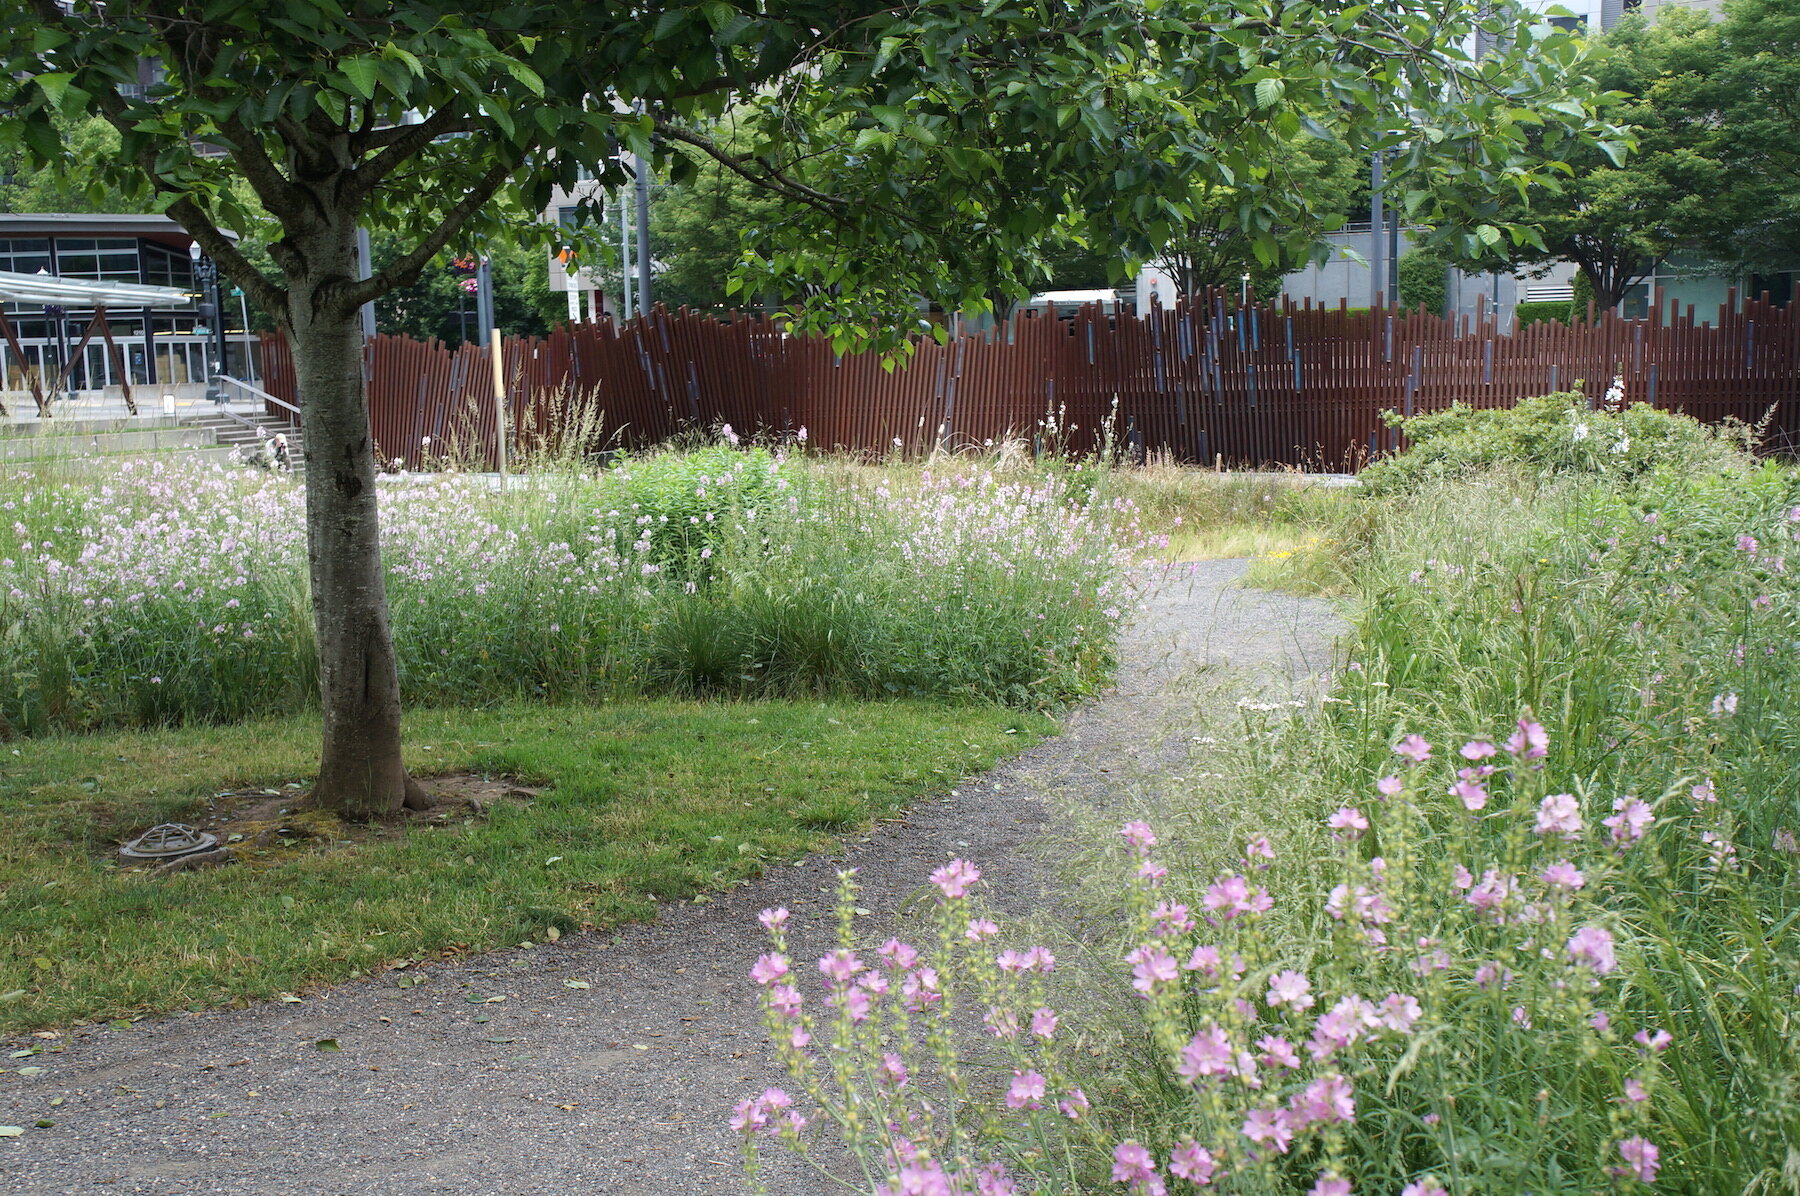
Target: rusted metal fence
[{"x": 1302, "y": 386}]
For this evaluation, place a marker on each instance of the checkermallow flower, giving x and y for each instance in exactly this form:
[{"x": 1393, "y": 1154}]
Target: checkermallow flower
[
  {"x": 1641, "y": 1160},
  {"x": 1593, "y": 946},
  {"x": 956, "y": 878}
]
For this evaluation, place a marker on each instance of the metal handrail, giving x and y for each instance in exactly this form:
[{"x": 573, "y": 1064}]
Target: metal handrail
[{"x": 256, "y": 391}]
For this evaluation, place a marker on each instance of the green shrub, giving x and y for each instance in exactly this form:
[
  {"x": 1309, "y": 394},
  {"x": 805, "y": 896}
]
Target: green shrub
[
  {"x": 1550, "y": 435},
  {"x": 1552, "y": 312},
  {"x": 1583, "y": 287},
  {"x": 1423, "y": 279}
]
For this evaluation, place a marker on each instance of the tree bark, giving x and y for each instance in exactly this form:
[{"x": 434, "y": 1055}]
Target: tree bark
[{"x": 361, "y": 775}]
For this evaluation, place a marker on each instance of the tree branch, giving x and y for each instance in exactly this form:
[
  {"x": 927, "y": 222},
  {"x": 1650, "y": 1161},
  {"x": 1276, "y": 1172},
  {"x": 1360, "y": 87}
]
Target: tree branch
[
  {"x": 401, "y": 143},
  {"x": 406, "y": 269},
  {"x": 229, "y": 258},
  {"x": 758, "y": 172}
]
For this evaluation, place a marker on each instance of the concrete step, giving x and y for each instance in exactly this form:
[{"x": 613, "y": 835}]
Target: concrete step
[
  {"x": 103, "y": 444},
  {"x": 20, "y": 428}
]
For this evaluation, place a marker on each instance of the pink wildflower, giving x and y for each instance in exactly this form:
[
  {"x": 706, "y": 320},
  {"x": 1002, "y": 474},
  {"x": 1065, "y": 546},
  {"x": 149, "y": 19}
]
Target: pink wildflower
[
  {"x": 1390, "y": 786},
  {"x": 1290, "y": 988},
  {"x": 920, "y": 989},
  {"x": 898, "y": 955},
  {"x": 1208, "y": 1053},
  {"x": 1278, "y": 1052},
  {"x": 1593, "y": 946},
  {"x": 1399, "y": 1011},
  {"x": 1326, "y": 1100},
  {"x": 1193, "y": 1162},
  {"x": 840, "y": 966},
  {"x": 1348, "y": 821},
  {"x": 1630, "y": 819},
  {"x": 1330, "y": 1184},
  {"x": 1133, "y": 1164},
  {"x": 773, "y": 918},
  {"x": 1477, "y": 749},
  {"x": 1269, "y": 1127},
  {"x": 1151, "y": 965},
  {"x": 980, "y": 928},
  {"x": 1073, "y": 1105},
  {"x": 1414, "y": 748},
  {"x": 1641, "y": 1159},
  {"x": 1473, "y": 796},
  {"x": 1564, "y": 875},
  {"x": 1027, "y": 1091},
  {"x": 1429, "y": 1186},
  {"x": 1559, "y": 814},
  {"x": 1172, "y": 918},
  {"x": 1205, "y": 959},
  {"x": 1139, "y": 836},
  {"x": 1655, "y": 1040},
  {"x": 955, "y": 878},
  {"x": 893, "y": 1068},
  {"x": 769, "y": 968},
  {"x": 1043, "y": 1023},
  {"x": 1634, "y": 1091},
  {"x": 1259, "y": 847},
  {"x": 1530, "y": 741}
]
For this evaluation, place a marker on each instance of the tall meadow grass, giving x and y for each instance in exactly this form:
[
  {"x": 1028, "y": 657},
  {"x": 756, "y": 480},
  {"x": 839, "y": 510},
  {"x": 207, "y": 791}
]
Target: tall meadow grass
[
  {"x": 1513, "y": 909},
  {"x": 165, "y": 594}
]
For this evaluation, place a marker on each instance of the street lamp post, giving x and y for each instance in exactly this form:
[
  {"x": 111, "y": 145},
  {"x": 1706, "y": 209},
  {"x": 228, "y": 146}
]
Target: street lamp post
[{"x": 210, "y": 309}]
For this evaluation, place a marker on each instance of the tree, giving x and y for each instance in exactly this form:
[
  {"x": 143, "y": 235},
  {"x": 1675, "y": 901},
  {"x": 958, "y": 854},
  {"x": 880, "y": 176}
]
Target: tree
[
  {"x": 89, "y": 140},
  {"x": 1617, "y": 219},
  {"x": 1751, "y": 105},
  {"x": 920, "y": 148},
  {"x": 1217, "y": 244}
]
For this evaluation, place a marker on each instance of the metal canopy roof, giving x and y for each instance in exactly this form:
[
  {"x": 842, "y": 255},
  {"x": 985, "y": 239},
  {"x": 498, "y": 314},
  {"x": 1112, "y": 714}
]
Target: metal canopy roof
[{"x": 82, "y": 292}]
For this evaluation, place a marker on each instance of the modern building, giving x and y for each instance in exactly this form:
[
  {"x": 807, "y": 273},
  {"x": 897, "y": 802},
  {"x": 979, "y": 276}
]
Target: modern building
[{"x": 160, "y": 346}]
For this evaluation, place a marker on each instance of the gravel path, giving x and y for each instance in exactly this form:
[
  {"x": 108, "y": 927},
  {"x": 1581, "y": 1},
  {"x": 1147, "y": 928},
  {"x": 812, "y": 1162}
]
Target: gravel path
[{"x": 496, "y": 1076}]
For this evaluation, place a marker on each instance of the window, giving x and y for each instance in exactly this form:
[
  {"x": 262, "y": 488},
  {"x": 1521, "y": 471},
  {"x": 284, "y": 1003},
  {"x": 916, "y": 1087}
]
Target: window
[
  {"x": 102, "y": 258},
  {"x": 24, "y": 255}
]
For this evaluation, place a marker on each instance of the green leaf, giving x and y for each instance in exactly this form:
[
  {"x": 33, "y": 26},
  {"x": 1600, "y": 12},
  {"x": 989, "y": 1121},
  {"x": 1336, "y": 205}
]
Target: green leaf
[
  {"x": 363, "y": 73},
  {"x": 53, "y": 85},
  {"x": 1488, "y": 235},
  {"x": 671, "y": 20},
  {"x": 1269, "y": 92},
  {"x": 327, "y": 1044},
  {"x": 524, "y": 74}
]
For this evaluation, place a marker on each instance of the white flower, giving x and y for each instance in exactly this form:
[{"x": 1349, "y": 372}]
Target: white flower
[
  {"x": 1623, "y": 446},
  {"x": 1579, "y": 432}
]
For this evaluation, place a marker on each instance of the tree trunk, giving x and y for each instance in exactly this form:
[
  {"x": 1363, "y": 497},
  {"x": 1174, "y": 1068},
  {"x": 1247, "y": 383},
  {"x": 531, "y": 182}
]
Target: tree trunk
[{"x": 360, "y": 771}]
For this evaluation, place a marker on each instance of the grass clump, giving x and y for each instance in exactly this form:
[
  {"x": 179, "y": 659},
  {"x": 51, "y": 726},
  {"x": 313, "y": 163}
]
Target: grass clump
[
  {"x": 637, "y": 802},
  {"x": 159, "y": 595}
]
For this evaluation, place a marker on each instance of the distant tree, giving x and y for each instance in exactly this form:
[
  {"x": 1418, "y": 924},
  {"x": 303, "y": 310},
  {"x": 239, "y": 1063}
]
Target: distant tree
[
  {"x": 1616, "y": 217},
  {"x": 1751, "y": 102},
  {"x": 91, "y": 142},
  {"x": 1220, "y": 240}
]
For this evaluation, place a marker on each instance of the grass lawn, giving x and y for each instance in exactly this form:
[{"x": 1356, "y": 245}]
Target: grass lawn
[{"x": 641, "y": 801}]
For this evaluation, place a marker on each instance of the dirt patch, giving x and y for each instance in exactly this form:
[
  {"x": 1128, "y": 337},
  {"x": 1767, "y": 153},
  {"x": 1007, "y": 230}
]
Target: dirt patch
[{"x": 261, "y": 828}]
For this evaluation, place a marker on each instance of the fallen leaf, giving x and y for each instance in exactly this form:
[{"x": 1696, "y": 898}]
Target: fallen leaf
[
  {"x": 576, "y": 984},
  {"x": 11, "y": 1131},
  {"x": 327, "y": 1044}
]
